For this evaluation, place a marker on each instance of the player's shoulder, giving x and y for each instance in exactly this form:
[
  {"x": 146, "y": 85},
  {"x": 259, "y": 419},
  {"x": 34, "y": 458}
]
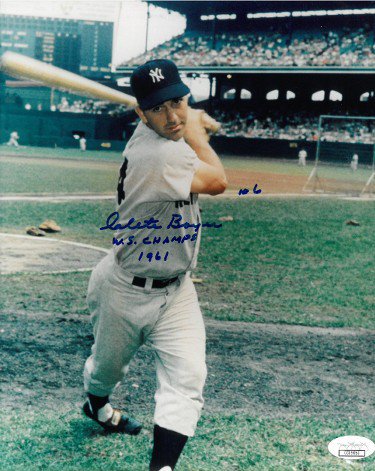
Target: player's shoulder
[{"x": 146, "y": 142}]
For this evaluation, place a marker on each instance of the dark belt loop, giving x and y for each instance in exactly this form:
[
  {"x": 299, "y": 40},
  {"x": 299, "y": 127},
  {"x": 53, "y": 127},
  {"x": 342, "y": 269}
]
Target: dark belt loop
[{"x": 138, "y": 281}]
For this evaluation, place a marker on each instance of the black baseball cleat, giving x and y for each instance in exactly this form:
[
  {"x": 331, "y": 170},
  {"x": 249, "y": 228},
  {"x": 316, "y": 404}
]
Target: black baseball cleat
[{"x": 118, "y": 423}]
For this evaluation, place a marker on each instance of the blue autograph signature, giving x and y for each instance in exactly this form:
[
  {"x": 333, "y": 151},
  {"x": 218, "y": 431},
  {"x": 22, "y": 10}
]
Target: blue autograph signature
[
  {"x": 152, "y": 223},
  {"x": 245, "y": 191}
]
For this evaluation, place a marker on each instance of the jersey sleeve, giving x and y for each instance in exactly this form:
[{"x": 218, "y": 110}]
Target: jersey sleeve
[{"x": 172, "y": 172}]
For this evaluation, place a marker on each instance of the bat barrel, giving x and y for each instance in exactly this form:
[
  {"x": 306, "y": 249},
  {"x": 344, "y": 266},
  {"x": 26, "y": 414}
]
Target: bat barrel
[
  {"x": 25, "y": 67},
  {"x": 18, "y": 65}
]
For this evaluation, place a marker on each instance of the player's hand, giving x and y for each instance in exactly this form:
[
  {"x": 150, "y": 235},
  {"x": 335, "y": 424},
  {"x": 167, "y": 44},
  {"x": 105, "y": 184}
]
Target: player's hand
[
  {"x": 199, "y": 126},
  {"x": 210, "y": 124}
]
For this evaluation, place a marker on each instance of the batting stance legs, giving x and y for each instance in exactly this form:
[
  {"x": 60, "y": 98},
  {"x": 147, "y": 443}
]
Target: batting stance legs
[{"x": 169, "y": 319}]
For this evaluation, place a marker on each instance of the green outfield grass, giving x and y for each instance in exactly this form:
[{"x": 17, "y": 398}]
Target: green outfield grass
[
  {"x": 57, "y": 177},
  {"x": 60, "y": 153},
  {"x": 63, "y": 441},
  {"x": 279, "y": 261},
  {"x": 66, "y": 171}
]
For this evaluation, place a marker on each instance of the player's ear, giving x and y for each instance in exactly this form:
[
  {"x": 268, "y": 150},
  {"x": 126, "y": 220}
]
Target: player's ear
[{"x": 141, "y": 114}]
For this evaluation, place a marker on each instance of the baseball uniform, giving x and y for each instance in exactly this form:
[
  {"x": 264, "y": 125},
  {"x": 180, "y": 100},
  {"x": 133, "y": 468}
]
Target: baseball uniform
[
  {"x": 354, "y": 162},
  {"x": 302, "y": 154},
  {"x": 134, "y": 300},
  {"x": 13, "y": 140},
  {"x": 141, "y": 292},
  {"x": 82, "y": 144}
]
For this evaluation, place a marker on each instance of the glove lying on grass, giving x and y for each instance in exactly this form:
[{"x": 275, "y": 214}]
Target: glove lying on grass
[
  {"x": 34, "y": 231},
  {"x": 50, "y": 226}
]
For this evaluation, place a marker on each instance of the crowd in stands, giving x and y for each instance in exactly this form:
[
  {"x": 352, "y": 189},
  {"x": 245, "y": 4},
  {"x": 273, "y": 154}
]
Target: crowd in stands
[
  {"x": 351, "y": 131},
  {"x": 344, "y": 47},
  {"x": 294, "y": 127},
  {"x": 90, "y": 106},
  {"x": 68, "y": 105}
]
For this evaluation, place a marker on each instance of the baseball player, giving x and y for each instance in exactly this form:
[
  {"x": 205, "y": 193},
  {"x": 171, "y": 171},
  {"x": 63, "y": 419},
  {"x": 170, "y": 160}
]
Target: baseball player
[
  {"x": 82, "y": 143},
  {"x": 13, "y": 140},
  {"x": 354, "y": 162},
  {"x": 302, "y": 154},
  {"x": 141, "y": 292}
]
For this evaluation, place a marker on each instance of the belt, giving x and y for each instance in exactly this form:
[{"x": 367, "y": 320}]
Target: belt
[{"x": 138, "y": 281}]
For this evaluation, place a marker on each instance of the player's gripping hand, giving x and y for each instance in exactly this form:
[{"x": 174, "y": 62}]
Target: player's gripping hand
[
  {"x": 199, "y": 126},
  {"x": 210, "y": 124}
]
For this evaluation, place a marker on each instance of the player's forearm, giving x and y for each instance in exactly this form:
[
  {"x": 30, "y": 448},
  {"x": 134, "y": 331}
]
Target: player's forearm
[
  {"x": 197, "y": 138},
  {"x": 206, "y": 153}
]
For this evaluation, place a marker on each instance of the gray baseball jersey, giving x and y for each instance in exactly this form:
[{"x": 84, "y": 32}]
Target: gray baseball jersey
[{"x": 157, "y": 212}]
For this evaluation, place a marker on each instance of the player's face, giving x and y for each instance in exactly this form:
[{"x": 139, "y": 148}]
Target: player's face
[{"x": 169, "y": 118}]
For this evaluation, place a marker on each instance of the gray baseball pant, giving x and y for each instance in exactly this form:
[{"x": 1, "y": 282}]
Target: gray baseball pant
[{"x": 169, "y": 319}]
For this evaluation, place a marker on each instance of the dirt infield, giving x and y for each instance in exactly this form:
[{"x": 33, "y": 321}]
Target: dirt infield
[
  {"x": 281, "y": 183},
  {"x": 275, "y": 370},
  {"x": 27, "y": 254},
  {"x": 268, "y": 183}
]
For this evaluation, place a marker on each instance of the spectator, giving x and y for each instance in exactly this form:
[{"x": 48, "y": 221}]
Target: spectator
[
  {"x": 345, "y": 47},
  {"x": 295, "y": 127}
]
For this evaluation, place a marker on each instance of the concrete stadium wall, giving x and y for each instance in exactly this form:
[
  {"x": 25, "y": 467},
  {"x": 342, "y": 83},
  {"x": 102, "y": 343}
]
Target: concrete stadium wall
[
  {"x": 36, "y": 125},
  {"x": 66, "y": 142},
  {"x": 102, "y": 132}
]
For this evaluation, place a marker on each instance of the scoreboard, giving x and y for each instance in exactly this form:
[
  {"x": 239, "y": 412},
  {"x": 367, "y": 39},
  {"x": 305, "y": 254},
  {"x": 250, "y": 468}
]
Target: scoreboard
[{"x": 80, "y": 46}]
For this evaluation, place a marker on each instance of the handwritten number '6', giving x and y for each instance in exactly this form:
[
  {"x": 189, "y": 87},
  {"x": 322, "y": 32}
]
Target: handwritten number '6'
[{"x": 245, "y": 191}]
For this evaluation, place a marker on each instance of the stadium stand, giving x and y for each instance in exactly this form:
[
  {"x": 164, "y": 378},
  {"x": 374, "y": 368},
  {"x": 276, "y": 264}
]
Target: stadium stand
[
  {"x": 337, "y": 47},
  {"x": 296, "y": 127},
  {"x": 68, "y": 104},
  {"x": 89, "y": 106}
]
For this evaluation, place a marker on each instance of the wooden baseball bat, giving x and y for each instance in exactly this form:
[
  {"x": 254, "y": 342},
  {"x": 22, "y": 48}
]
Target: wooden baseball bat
[{"x": 18, "y": 65}]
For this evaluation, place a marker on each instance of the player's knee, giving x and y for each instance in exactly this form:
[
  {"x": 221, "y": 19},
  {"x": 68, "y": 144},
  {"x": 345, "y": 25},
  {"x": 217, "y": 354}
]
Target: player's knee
[
  {"x": 109, "y": 371},
  {"x": 193, "y": 377}
]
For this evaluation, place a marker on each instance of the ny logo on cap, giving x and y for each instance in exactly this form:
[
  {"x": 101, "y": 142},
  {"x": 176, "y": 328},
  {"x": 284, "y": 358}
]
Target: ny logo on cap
[{"x": 156, "y": 75}]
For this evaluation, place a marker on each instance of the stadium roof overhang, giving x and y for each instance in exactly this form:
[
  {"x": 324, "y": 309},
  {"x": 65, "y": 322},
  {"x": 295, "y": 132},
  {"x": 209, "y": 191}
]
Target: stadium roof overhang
[
  {"x": 242, "y": 7},
  {"x": 212, "y": 70}
]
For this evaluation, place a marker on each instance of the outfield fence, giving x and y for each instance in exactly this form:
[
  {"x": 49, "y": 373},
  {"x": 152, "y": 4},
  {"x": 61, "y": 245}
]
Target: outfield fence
[
  {"x": 65, "y": 142},
  {"x": 286, "y": 149}
]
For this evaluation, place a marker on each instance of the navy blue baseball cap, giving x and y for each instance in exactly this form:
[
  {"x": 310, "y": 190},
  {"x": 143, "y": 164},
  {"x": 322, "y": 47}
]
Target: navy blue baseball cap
[{"x": 157, "y": 81}]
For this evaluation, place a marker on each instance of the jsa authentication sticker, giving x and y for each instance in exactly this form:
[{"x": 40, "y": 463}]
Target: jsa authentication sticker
[{"x": 351, "y": 447}]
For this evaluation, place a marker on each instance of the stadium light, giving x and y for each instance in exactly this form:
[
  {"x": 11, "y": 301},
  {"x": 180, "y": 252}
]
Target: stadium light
[
  {"x": 219, "y": 17},
  {"x": 310, "y": 13},
  {"x": 226, "y": 17},
  {"x": 352, "y": 11},
  {"x": 307, "y": 13},
  {"x": 281, "y": 14},
  {"x": 319, "y": 12}
]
